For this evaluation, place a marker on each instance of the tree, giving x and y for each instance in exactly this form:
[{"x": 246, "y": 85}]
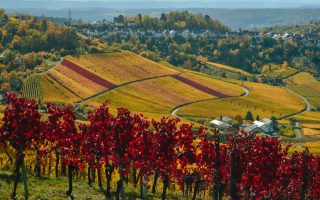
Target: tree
[
  {"x": 96, "y": 143},
  {"x": 166, "y": 157},
  {"x": 249, "y": 116},
  {"x": 238, "y": 118},
  {"x": 274, "y": 123},
  {"x": 122, "y": 135},
  {"x": 163, "y": 17},
  {"x": 70, "y": 142},
  {"x": 21, "y": 128}
]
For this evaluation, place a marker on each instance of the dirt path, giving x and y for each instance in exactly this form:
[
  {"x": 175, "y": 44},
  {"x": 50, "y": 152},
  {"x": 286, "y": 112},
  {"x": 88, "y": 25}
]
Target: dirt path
[{"x": 306, "y": 109}]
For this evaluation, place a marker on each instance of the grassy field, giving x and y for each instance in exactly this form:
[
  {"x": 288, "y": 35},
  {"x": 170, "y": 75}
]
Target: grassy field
[
  {"x": 55, "y": 189},
  {"x": 229, "y": 68},
  {"x": 263, "y": 100},
  {"x": 277, "y": 71}
]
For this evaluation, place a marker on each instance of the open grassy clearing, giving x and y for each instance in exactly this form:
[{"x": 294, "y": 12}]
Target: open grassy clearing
[
  {"x": 278, "y": 71},
  {"x": 263, "y": 100},
  {"x": 229, "y": 68},
  {"x": 121, "y": 67}
]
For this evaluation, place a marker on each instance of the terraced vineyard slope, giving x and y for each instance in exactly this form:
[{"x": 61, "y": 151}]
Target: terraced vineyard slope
[
  {"x": 263, "y": 100},
  {"x": 229, "y": 68},
  {"x": 161, "y": 95},
  {"x": 306, "y": 85},
  {"x": 89, "y": 75}
]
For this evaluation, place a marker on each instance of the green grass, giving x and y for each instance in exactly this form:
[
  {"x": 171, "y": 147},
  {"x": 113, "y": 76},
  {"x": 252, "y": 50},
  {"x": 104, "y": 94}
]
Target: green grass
[{"x": 55, "y": 189}]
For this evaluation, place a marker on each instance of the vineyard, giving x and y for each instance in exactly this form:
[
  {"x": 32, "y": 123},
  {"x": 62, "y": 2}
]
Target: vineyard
[
  {"x": 161, "y": 95},
  {"x": 129, "y": 155},
  {"x": 306, "y": 85},
  {"x": 31, "y": 87},
  {"x": 229, "y": 68},
  {"x": 278, "y": 71},
  {"x": 122, "y": 67},
  {"x": 263, "y": 100}
]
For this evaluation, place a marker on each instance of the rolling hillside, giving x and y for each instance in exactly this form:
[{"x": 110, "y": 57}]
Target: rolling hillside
[
  {"x": 230, "y": 69},
  {"x": 306, "y": 85},
  {"x": 161, "y": 95},
  {"x": 263, "y": 100},
  {"x": 143, "y": 86}
]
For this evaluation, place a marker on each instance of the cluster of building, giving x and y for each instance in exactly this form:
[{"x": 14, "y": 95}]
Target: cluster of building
[
  {"x": 264, "y": 126},
  {"x": 130, "y": 29}
]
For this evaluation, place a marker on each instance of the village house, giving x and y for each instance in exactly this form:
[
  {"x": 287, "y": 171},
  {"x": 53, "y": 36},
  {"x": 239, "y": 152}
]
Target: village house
[
  {"x": 222, "y": 126},
  {"x": 226, "y": 119},
  {"x": 263, "y": 126}
]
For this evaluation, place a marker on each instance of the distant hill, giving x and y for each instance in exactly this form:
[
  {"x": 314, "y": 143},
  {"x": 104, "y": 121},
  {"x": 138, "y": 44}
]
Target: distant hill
[{"x": 234, "y": 18}]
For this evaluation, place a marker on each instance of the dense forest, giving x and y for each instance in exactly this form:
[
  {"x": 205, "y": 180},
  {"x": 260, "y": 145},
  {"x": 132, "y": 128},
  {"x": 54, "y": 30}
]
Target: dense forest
[{"x": 28, "y": 44}]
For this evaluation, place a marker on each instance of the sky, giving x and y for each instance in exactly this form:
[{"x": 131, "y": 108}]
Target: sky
[{"x": 56, "y": 4}]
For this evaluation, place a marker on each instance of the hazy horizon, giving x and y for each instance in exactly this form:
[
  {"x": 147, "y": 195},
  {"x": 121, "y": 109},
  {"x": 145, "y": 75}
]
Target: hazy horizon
[{"x": 135, "y": 4}]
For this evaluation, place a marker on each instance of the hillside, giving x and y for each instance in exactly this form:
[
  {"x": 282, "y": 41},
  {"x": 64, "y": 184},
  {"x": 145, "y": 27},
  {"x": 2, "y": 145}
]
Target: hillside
[
  {"x": 262, "y": 100},
  {"x": 88, "y": 75},
  {"x": 143, "y": 86},
  {"x": 306, "y": 85},
  {"x": 229, "y": 68},
  {"x": 128, "y": 80}
]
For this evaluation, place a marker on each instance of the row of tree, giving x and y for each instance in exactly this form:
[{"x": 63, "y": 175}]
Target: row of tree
[{"x": 245, "y": 167}]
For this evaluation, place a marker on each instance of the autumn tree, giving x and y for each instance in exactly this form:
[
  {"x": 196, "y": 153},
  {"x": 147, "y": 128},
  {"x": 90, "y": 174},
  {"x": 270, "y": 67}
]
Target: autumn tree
[{"x": 21, "y": 128}]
